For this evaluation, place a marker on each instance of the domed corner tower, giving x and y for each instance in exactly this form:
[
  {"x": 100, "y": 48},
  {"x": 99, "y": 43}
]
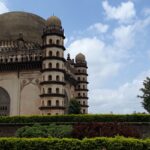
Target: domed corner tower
[
  {"x": 52, "y": 82},
  {"x": 82, "y": 88}
]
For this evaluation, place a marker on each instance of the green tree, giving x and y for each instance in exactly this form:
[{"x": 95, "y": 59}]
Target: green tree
[
  {"x": 74, "y": 107},
  {"x": 146, "y": 94}
]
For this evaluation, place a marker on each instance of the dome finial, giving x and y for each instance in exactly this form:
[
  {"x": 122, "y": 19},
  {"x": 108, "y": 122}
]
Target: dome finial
[{"x": 68, "y": 57}]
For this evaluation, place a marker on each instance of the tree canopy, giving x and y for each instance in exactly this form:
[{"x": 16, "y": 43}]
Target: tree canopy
[
  {"x": 74, "y": 107},
  {"x": 146, "y": 94}
]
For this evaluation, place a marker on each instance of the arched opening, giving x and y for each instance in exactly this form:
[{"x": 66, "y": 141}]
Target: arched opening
[
  {"x": 49, "y": 78},
  {"x": 4, "y": 103},
  {"x": 79, "y": 94},
  {"x": 83, "y": 102},
  {"x": 57, "y": 78},
  {"x": 57, "y": 90},
  {"x": 42, "y": 103},
  {"x": 50, "y": 41},
  {"x": 50, "y": 65},
  {"x": 57, "y": 42},
  {"x": 57, "y": 102},
  {"x": 57, "y": 54},
  {"x": 57, "y": 65},
  {"x": 78, "y": 78},
  {"x": 50, "y": 53},
  {"x": 83, "y": 111},
  {"x": 49, "y": 90},
  {"x": 49, "y": 103}
]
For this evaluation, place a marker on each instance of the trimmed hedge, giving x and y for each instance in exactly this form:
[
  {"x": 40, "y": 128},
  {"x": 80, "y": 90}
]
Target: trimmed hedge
[
  {"x": 76, "y": 118},
  {"x": 105, "y": 129},
  {"x": 118, "y": 143}
]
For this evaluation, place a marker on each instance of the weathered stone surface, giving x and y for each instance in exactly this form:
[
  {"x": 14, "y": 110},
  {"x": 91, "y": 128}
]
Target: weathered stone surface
[{"x": 13, "y": 23}]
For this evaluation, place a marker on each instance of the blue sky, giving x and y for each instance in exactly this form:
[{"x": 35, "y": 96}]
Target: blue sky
[{"x": 114, "y": 36}]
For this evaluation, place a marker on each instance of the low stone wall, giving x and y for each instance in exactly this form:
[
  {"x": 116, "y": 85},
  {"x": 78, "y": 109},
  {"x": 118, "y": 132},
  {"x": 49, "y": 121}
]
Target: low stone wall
[{"x": 9, "y": 130}]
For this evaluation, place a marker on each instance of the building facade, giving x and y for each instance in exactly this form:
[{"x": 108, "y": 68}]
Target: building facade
[{"x": 35, "y": 78}]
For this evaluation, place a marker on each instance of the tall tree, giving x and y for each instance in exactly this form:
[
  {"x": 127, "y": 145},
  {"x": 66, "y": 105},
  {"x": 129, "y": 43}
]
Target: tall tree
[
  {"x": 146, "y": 94},
  {"x": 74, "y": 107}
]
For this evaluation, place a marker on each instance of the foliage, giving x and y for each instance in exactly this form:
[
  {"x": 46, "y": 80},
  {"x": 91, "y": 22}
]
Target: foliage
[
  {"x": 109, "y": 129},
  {"x": 52, "y": 130},
  {"x": 146, "y": 94},
  {"x": 117, "y": 143},
  {"x": 74, "y": 107},
  {"x": 75, "y": 118}
]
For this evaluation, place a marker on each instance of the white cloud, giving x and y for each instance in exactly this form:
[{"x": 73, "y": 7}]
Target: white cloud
[
  {"x": 99, "y": 27},
  {"x": 120, "y": 100},
  {"x": 122, "y": 13},
  {"x": 3, "y": 7},
  {"x": 102, "y": 60},
  {"x": 124, "y": 36},
  {"x": 108, "y": 56}
]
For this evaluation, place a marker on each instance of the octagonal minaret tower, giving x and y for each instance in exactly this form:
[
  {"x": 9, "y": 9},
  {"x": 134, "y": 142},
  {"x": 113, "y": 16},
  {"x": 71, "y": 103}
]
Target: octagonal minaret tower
[
  {"x": 52, "y": 82},
  {"x": 82, "y": 88}
]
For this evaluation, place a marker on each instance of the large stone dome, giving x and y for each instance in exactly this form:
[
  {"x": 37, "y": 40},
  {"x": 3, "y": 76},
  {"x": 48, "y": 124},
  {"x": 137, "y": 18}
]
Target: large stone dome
[{"x": 14, "y": 23}]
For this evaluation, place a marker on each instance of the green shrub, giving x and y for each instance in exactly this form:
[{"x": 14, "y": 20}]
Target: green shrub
[
  {"x": 118, "y": 143},
  {"x": 76, "y": 118},
  {"x": 52, "y": 130}
]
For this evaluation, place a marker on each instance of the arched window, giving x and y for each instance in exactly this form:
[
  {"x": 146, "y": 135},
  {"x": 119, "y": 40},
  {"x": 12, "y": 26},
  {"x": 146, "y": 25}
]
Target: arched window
[
  {"x": 79, "y": 70},
  {"x": 57, "y": 65},
  {"x": 49, "y": 90},
  {"x": 50, "y": 65},
  {"x": 49, "y": 78},
  {"x": 50, "y": 41},
  {"x": 57, "y": 78},
  {"x": 57, "y": 90},
  {"x": 57, "y": 102},
  {"x": 49, "y": 103},
  {"x": 83, "y": 111},
  {"x": 83, "y": 102},
  {"x": 83, "y": 86},
  {"x": 57, "y": 42},
  {"x": 79, "y": 94},
  {"x": 6, "y": 60},
  {"x": 43, "y": 90},
  {"x": 83, "y": 94},
  {"x": 4, "y": 102},
  {"x": 78, "y": 78},
  {"x": 16, "y": 59},
  {"x": 50, "y": 53},
  {"x": 42, "y": 103},
  {"x": 57, "y": 54}
]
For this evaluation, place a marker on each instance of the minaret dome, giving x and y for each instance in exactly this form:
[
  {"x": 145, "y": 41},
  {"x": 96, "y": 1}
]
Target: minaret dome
[{"x": 53, "y": 21}]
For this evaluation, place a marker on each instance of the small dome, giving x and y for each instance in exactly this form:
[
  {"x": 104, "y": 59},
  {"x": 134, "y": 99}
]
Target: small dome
[
  {"x": 80, "y": 58},
  {"x": 53, "y": 21}
]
